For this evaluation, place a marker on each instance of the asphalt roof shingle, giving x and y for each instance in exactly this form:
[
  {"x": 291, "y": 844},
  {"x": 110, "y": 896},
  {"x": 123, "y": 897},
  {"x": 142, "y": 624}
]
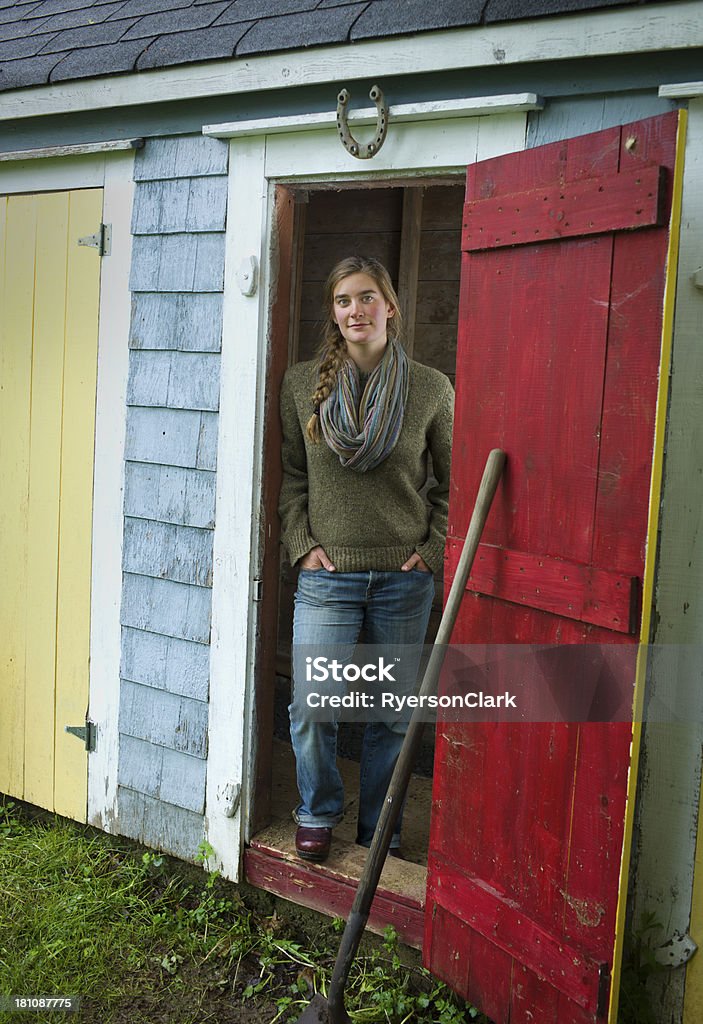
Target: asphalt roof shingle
[
  {"x": 177, "y": 47},
  {"x": 382, "y": 18},
  {"x": 87, "y": 35},
  {"x": 167, "y": 22},
  {"x": 44, "y": 41},
  {"x": 99, "y": 60},
  {"x": 79, "y": 18},
  {"x": 294, "y": 31}
]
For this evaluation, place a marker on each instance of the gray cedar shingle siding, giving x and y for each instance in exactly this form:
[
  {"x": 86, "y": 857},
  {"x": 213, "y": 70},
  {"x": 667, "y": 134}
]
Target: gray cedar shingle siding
[
  {"x": 180, "y": 830},
  {"x": 165, "y": 663},
  {"x": 183, "y": 323},
  {"x": 164, "y": 719},
  {"x": 170, "y": 494},
  {"x": 171, "y": 449},
  {"x": 60, "y": 40},
  {"x": 164, "y": 774}
]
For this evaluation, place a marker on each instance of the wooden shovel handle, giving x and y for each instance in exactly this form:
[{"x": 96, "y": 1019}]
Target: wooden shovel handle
[{"x": 408, "y": 752}]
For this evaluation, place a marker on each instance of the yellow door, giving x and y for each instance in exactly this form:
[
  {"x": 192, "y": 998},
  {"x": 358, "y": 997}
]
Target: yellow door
[{"x": 49, "y": 298}]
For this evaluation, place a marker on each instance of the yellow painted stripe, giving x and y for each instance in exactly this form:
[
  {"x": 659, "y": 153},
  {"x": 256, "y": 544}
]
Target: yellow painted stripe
[
  {"x": 44, "y": 470},
  {"x": 77, "y": 458},
  {"x": 651, "y": 556},
  {"x": 15, "y": 380}
]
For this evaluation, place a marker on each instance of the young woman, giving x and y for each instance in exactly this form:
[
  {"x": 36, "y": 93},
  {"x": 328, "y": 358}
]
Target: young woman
[{"x": 358, "y": 424}]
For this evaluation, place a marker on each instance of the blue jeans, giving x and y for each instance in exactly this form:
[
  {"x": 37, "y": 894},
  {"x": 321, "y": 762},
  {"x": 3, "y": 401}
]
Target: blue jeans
[{"x": 332, "y": 608}]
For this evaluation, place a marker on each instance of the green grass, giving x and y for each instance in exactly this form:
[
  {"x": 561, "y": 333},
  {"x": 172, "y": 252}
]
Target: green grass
[{"x": 143, "y": 939}]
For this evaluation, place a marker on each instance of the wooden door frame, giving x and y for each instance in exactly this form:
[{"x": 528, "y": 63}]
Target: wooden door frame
[
  {"x": 113, "y": 172},
  {"x": 262, "y": 158}
]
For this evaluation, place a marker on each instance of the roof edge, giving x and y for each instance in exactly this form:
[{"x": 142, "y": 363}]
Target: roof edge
[{"x": 656, "y": 27}]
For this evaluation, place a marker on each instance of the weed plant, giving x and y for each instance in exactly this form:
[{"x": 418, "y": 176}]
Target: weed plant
[{"x": 90, "y": 915}]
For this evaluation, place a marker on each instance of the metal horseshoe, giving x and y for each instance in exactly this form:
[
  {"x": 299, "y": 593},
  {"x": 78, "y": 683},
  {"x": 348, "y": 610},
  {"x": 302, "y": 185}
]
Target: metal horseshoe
[{"x": 358, "y": 149}]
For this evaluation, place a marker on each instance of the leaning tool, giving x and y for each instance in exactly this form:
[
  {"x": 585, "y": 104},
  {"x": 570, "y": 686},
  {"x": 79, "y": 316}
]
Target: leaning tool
[{"x": 331, "y": 1010}]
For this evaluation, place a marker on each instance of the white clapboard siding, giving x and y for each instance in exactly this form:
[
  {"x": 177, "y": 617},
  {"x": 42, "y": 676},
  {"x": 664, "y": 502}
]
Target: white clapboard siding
[
  {"x": 165, "y": 663},
  {"x": 179, "y": 553},
  {"x": 178, "y": 723},
  {"x": 176, "y": 380},
  {"x": 164, "y": 774},
  {"x": 170, "y": 494},
  {"x": 145, "y": 818},
  {"x": 188, "y": 322},
  {"x": 183, "y": 204}
]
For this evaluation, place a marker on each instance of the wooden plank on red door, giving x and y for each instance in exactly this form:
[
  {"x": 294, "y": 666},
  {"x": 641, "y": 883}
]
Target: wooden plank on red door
[
  {"x": 555, "y": 367},
  {"x": 556, "y": 585},
  {"x": 624, "y": 201}
]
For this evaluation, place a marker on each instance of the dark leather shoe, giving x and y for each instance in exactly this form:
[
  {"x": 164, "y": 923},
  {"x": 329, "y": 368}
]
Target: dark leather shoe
[
  {"x": 395, "y": 853},
  {"x": 313, "y": 843}
]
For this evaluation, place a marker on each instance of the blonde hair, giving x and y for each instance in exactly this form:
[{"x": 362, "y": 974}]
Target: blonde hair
[{"x": 333, "y": 349}]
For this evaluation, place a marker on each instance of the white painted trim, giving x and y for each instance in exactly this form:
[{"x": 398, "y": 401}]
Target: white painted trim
[
  {"x": 419, "y": 147},
  {"x": 681, "y": 90},
  {"x": 655, "y": 28},
  {"x": 233, "y": 611},
  {"x": 108, "y": 492},
  {"x": 59, "y": 174},
  {"x": 256, "y": 163},
  {"x": 434, "y": 110},
  {"x": 80, "y": 149}
]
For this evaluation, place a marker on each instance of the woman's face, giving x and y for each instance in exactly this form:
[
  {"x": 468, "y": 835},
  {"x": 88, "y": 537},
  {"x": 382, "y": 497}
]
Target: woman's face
[{"x": 361, "y": 311}]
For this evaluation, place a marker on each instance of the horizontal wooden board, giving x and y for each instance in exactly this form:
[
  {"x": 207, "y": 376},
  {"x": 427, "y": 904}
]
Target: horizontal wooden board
[
  {"x": 442, "y": 206},
  {"x": 440, "y": 255},
  {"x": 354, "y": 212},
  {"x": 323, "y": 251},
  {"x": 553, "y": 585},
  {"x": 272, "y": 864},
  {"x": 589, "y": 206},
  {"x": 438, "y": 301},
  {"x": 498, "y": 918}
]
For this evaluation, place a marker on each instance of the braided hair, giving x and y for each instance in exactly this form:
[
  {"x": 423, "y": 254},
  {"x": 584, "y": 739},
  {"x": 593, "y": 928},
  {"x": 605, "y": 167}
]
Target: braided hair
[{"x": 333, "y": 349}]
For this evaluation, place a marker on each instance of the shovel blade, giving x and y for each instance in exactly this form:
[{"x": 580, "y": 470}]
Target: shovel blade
[{"x": 316, "y": 1011}]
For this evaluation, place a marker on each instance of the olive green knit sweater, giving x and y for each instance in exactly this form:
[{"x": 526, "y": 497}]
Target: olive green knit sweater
[{"x": 373, "y": 520}]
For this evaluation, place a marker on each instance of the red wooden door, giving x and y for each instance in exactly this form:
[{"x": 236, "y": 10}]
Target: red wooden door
[{"x": 565, "y": 251}]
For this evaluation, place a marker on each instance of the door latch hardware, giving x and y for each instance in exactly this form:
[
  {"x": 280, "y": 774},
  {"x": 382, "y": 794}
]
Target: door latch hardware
[
  {"x": 101, "y": 240},
  {"x": 87, "y": 733},
  {"x": 603, "y": 989},
  {"x": 357, "y": 149}
]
